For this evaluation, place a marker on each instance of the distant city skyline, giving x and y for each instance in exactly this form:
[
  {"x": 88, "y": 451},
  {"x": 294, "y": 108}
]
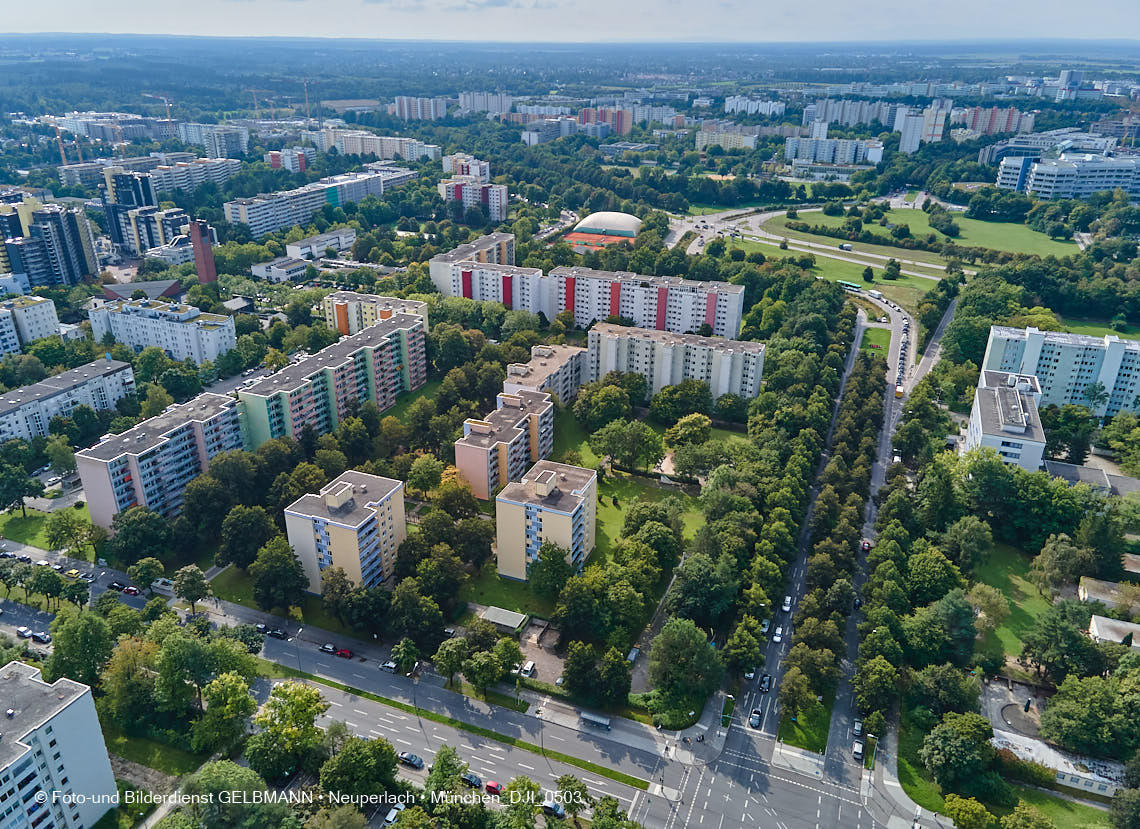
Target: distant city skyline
[{"x": 593, "y": 20}]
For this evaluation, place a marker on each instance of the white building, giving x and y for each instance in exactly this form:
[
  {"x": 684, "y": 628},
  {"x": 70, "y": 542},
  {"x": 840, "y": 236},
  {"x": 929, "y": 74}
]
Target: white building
[
  {"x": 911, "y": 129},
  {"x": 314, "y": 247},
  {"x": 293, "y": 159},
  {"x": 32, "y": 317},
  {"x": 52, "y": 745},
  {"x": 190, "y": 175},
  {"x": 497, "y": 248},
  {"x": 281, "y": 269},
  {"x": 751, "y": 106},
  {"x": 361, "y": 142},
  {"x": 26, "y": 412},
  {"x": 665, "y": 359},
  {"x": 728, "y": 140},
  {"x": 1071, "y": 176},
  {"x": 1004, "y": 418},
  {"x": 182, "y": 331},
  {"x": 462, "y": 164},
  {"x": 178, "y": 251},
  {"x": 833, "y": 150},
  {"x": 559, "y": 370},
  {"x": 220, "y": 140},
  {"x": 1067, "y": 364},
  {"x": 349, "y": 312},
  {"x": 418, "y": 109},
  {"x": 493, "y": 102},
  {"x": 492, "y": 198}
]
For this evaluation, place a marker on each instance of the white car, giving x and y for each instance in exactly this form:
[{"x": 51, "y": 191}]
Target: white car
[
  {"x": 787, "y": 606},
  {"x": 778, "y": 636}
]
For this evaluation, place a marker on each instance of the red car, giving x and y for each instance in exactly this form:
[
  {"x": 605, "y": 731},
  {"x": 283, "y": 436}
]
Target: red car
[
  {"x": 344, "y": 653},
  {"x": 130, "y": 590},
  {"x": 493, "y": 787},
  {"x": 866, "y": 545}
]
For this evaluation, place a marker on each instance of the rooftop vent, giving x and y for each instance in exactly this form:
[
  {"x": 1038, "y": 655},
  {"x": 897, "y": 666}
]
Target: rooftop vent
[{"x": 11, "y": 712}]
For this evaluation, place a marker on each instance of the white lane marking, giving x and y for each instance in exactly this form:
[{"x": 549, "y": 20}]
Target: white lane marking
[
  {"x": 525, "y": 766},
  {"x": 361, "y": 713},
  {"x": 402, "y": 742}
]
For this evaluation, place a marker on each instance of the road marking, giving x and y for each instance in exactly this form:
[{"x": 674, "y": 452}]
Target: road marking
[
  {"x": 361, "y": 713},
  {"x": 360, "y": 676},
  {"x": 525, "y": 766},
  {"x": 632, "y": 804},
  {"x": 333, "y": 702},
  {"x": 350, "y": 724},
  {"x": 556, "y": 737},
  {"x": 409, "y": 728},
  {"x": 402, "y": 742}
]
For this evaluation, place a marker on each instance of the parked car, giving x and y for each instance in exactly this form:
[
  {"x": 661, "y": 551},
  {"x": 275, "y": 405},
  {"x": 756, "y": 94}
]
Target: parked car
[
  {"x": 866, "y": 545},
  {"x": 26, "y": 559},
  {"x": 278, "y": 633},
  {"x": 857, "y": 728},
  {"x": 24, "y": 633},
  {"x": 42, "y": 637},
  {"x": 260, "y": 628},
  {"x": 116, "y": 585},
  {"x": 754, "y": 718},
  {"x": 130, "y": 590},
  {"x": 750, "y": 674},
  {"x": 72, "y": 573},
  {"x": 778, "y": 636},
  {"x": 88, "y": 577},
  {"x": 765, "y": 683},
  {"x": 765, "y": 626},
  {"x": 43, "y": 562},
  {"x": 857, "y": 750},
  {"x": 328, "y": 647},
  {"x": 550, "y": 806},
  {"x": 787, "y": 606},
  {"x": 6, "y": 554},
  {"x": 393, "y": 814},
  {"x": 471, "y": 779},
  {"x": 389, "y": 666},
  {"x": 493, "y": 788},
  {"x": 412, "y": 760},
  {"x": 344, "y": 653}
]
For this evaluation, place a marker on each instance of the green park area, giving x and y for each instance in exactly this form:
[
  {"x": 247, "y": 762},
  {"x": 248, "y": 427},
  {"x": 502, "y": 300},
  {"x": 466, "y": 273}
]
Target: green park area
[
  {"x": 808, "y": 730},
  {"x": 876, "y": 339},
  {"x": 1099, "y": 328},
  {"x": 400, "y": 410},
  {"x": 1007, "y": 569},
  {"x": 154, "y": 755},
  {"x": 234, "y": 585},
  {"x": 31, "y": 528}
]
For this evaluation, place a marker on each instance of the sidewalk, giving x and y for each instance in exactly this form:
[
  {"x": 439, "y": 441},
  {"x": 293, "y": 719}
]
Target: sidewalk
[{"x": 799, "y": 760}]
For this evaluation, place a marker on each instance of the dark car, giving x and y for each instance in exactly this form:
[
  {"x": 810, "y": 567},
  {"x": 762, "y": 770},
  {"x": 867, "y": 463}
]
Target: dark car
[
  {"x": 344, "y": 653},
  {"x": 857, "y": 728},
  {"x": 471, "y": 779},
  {"x": 116, "y": 585},
  {"x": 328, "y": 647},
  {"x": 278, "y": 633},
  {"x": 6, "y": 554},
  {"x": 765, "y": 683},
  {"x": 42, "y": 637},
  {"x": 866, "y": 545},
  {"x": 130, "y": 590},
  {"x": 25, "y": 559},
  {"x": 262, "y": 629},
  {"x": 409, "y": 759}
]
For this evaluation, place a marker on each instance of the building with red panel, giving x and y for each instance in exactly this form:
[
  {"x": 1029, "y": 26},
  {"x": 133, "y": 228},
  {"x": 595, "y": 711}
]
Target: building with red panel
[
  {"x": 494, "y": 248},
  {"x": 202, "y": 237}
]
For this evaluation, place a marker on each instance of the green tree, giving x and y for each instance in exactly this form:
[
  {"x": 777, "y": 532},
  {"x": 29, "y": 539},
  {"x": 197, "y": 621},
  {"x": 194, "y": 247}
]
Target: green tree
[
  {"x": 958, "y": 750},
  {"x": 549, "y": 572},
  {"x": 693, "y": 428},
  {"x": 1025, "y": 816},
  {"x": 60, "y": 455},
  {"x": 1059, "y": 563},
  {"x": 875, "y": 684},
  {"x": 449, "y": 658},
  {"x": 66, "y": 531},
  {"x": 405, "y": 654},
  {"x": 1125, "y": 810},
  {"x": 138, "y": 532},
  {"x": 145, "y": 572},
  {"x": 415, "y": 616},
  {"x": 615, "y": 676},
  {"x": 155, "y": 401},
  {"x": 190, "y": 585},
  {"x": 245, "y": 531},
  {"x": 521, "y": 799},
  {"x": 425, "y": 474},
  {"x": 796, "y": 694},
  {"x": 127, "y": 682},
  {"x": 336, "y": 591},
  {"x": 576, "y": 797},
  {"x": 967, "y": 813},
  {"x": 483, "y": 669},
  {"x": 278, "y": 578},
  {"x": 289, "y": 733},
  {"x": 229, "y": 705},
  {"x": 16, "y": 486},
  {"x": 361, "y": 767},
  {"x": 967, "y": 542},
  {"x": 991, "y": 606},
  {"x": 682, "y": 666},
  {"x": 341, "y": 817},
  {"x": 237, "y": 808},
  {"x": 82, "y": 644}
]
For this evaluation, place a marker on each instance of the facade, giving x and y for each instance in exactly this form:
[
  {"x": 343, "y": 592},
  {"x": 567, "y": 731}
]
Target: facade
[
  {"x": 991, "y": 120},
  {"x": 52, "y": 744},
  {"x": 362, "y": 142},
  {"x": 468, "y": 190},
  {"x": 500, "y": 447},
  {"x": 281, "y": 269},
  {"x": 182, "y": 331},
  {"x": 190, "y": 175},
  {"x": 752, "y": 106},
  {"x": 178, "y": 251},
  {"x": 350, "y": 313},
  {"x": 150, "y": 464},
  {"x": 27, "y": 411},
  {"x": 90, "y": 173},
  {"x": 493, "y": 102},
  {"x": 911, "y": 132},
  {"x": 1070, "y": 176},
  {"x": 151, "y": 227},
  {"x": 202, "y": 241},
  {"x": 553, "y": 502},
  {"x": 419, "y": 109},
  {"x": 833, "y": 150},
  {"x": 284, "y": 209},
  {"x": 1066, "y": 139},
  {"x": 220, "y": 141},
  {"x": 1067, "y": 364},
  {"x": 121, "y": 191},
  {"x": 378, "y": 364},
  {"x": 665, "y": 359},
  {"x": 293, "y": 159},
  {"x": 57, "y": 248},
  {"x": 728, "y": 140},
  {"x": 314, "y": 247},
  {"x": 1004, "y": 418},
  {"x": 356, "y": 522},
  {"x": 495, "y": 248},
  {"x": 462, "y": 164},
  {"x": 32, "y": 317},
  {"x": 558, "y": 370}
]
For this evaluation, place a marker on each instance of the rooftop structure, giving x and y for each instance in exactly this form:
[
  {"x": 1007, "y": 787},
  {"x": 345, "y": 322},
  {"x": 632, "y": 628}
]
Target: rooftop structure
[
  {"x": 26, "y": 412},
  {"x": 1097, "y": 590},
  {"x": 1004, "y": 418},
  {"x": 500, "y": 447},
  {"x": 559, "y": 370},
  {"x": 181, "y": 331},
  {"x": 314, "y": 247},
  {"x": 350, "y": 312}
]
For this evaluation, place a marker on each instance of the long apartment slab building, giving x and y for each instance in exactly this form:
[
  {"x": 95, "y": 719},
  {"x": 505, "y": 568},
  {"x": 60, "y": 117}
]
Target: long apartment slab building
[
  {"x": 552, "y": 502},
  {"x": 25, "y": 319},
  {"x": 494, "y": 249},
  {"x": 150, "y": 464},
  {"x": 665, "y": 359},
  {"x": 377, "y": 364},
  {"x": 271, "y": 212},
  {"x": 350, "y": 312},
  {"x": 52, "y": 745},
  {"x": 181, "y": 331},
  {"x": 356, "y": 522},
  {"x": 501, "y": 446},
  {"x": 362, "y": 142},
  {"x": 27, "y": 412},
  {"x": 1065, "y": 365}
]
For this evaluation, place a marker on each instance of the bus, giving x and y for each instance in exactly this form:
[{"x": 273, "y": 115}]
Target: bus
[
  {"x": 595, "y": 720},
  {"x": 849, "y": 286}
]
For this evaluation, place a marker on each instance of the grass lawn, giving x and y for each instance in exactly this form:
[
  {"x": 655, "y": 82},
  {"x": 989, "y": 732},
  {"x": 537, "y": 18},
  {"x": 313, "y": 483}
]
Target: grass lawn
[
  {"x": 429, "y": 390},
  {"x": 158, "y": 756},
  {"x": 490, "y": 589},
  {"x": 232, "y": 585},
  {"x": 1007, "y": 569},
  {"x": 1098, "y": 328},
  {"x": 702, "y": 209},
  {"x": 1015, "y": 238},
  {"x": 809, "y": 730},
  {"x": 32, "y": 529},
  {"x": 616, "y": 493},
  {"x": 1062, "y": 812},
  {"x": 125, "y": 815},
  {"x": 778, "y": 226},
  {"x": 880, "y": 337},
  {"x": 915, "y": 781}
]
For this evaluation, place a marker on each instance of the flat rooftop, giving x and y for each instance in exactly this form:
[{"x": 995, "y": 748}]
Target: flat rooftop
[
  {"x": 657, "y": 281},
  {"x": 339, "y": 352},
  {"x": 563, "y": 481},
  {"x": 1013, "y": 410},
  {"x": 669, "y": 338},
  {"x": 33, "y": 702},
  {"x": 353, "y": 490},
  {"x": 1105, "y": 629},
  {"x": 545, "y": 360},
  {"x": 469, "y": 249},
  {"x": 23, "y": 301},
  {"x": 404, "y": 306},
  {"x": 153, "y": 431},
  {"x": 1006, "y": 379},
  {"x": 1061, "y": 337},
  {"x": 504, "y": 421},
  {"x": 49, "y": 387}
]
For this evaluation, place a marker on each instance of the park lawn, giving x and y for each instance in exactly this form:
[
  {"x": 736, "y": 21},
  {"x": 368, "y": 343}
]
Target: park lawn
[
  {"x": 915, "y": 780},
  {"x": 777, "y": 225},
  {"x": 32, "y": 529},
  {"x": 702, "y": 209},
  {"x": 1098, "y": 328},
  {"x": 570, "y": 436},
  {"x": 125, "y": 815},
  {"x": 489, "y": 589},
  {"x": 1007, "y": 569},
  {"x": 1059, "y": 810},
  {"x": 399, "y": 411},
  {"x": 624, "y": 489},
  {"x": 233, "y": 585},
  {"x": 809, "y": 730},
  {"x": 149, "y": 753},
  {"x": 1005, "y": 236},
  {"x": 880, "y": 337}
]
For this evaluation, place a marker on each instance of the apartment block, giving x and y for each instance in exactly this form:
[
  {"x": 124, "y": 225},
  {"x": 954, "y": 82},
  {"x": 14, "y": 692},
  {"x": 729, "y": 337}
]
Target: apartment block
[
  {"x": 501, "y": 446},
  {"x": 727, "y": 140},
  {"x": 377, "y": 364},
  {"x": 1067, "y": 364},
  {"x": 26, "y": 412},
  {"x": 495, "y": 248},
  {"x": 57, "y": 248},
  {"x": 151, "y": 227},
  {"x": 1071, "y": 175},
  {"x": 356, "y": 522},
  {"x": 362, "y": 142},
  {"x": 350, "y": 313},
  {"x": 991, "y": 120},
  {"x": 281, "y": 269},
  {"x": 558, "y": 370},
  {"x": 418, "y": 109},
  {"x": 665, "y": 359},
  {"x": 467, "y": 190},
  {"x": 220, "y": 140},
  {"x": 833, "y": 150},
  {"x": 90, "y": 173},
  {"x": 1005, "y": 418},
  {"x": 493, "y": 102},
  {"x": 181, "y": 331},
  {"x": 552, "y": 502},
  {"x": 752, "y": 106},
  {"x": 293, "y": 159},
  {"x": 150, "y": 464},
  {"x": 52, "y": 745},
  {"x": 32, "y": 317},
  {"x": 190, "y": 175},
  {"x": 203, "y": 238},
  {"x": 664, "y": 303},
  {"x": 314, "y": 247},
  {"x": 462, "y": 164}
]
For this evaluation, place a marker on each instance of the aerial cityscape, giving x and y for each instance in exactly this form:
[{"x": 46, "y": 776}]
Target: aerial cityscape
[{"x": 626, "y": 416}]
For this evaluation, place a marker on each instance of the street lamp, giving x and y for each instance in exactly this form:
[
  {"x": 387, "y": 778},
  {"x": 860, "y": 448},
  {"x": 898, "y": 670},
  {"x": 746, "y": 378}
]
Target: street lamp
[
  {"x": 874, "y": 748},
  {"x": 297, "y": 647}
]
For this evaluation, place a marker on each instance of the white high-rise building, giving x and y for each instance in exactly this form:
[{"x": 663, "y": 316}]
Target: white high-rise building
[
  {"x": 462, "y": 164},
  {"x": 362, "y": 142},
  {"x": 55, "y": 772},
  {"x": 911, "y": 128},
  {"x": 33, "y": 317},
  {"x": 493, "y": 199},
  {"x": 493, "y": 102},
  {"x": 182, "y": 331},
  {"x": 27, "y": 412},
  {"x": 1005, "y": 418}
]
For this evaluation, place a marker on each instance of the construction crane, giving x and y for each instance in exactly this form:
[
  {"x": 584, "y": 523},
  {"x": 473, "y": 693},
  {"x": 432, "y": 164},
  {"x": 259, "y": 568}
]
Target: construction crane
[
  {"x": 256, "y": 108},
  {"x": 162, "y": 98},
  {"x": 59, "y": 141}
]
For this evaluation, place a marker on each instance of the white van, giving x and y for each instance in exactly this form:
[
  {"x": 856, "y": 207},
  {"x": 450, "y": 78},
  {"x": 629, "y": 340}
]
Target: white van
[{"x": 528, "y": 670}]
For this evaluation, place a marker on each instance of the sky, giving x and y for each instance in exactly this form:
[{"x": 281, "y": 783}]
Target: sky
[{"x": 756, "y": 21}]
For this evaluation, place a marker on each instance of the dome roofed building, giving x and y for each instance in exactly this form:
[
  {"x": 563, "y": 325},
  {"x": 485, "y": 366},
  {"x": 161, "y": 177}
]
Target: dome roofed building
[{"x": 604, "y": 228}]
